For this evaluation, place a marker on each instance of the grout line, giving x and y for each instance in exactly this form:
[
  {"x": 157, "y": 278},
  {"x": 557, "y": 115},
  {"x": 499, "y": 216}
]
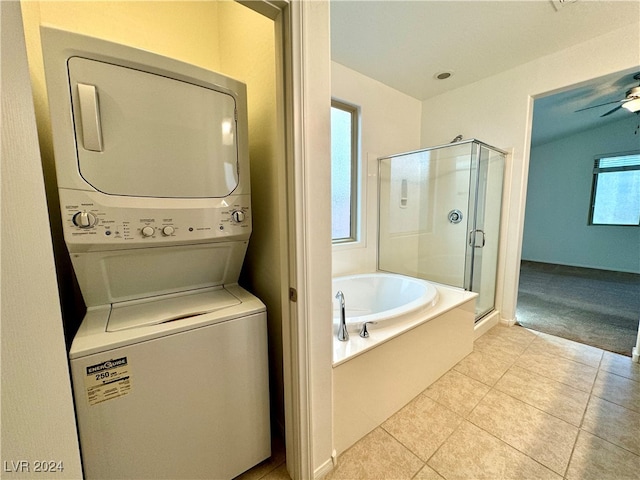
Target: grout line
[
  {"x": 614, "y": 403},
  {"x": 540, "y": 409},
  {"x": 409, "y": 448},
  {"x": 551, "y": 378},
  {"x": 525, "y": 453},
  {"x": 404, "y": 446},
  {"x": 611, "y": 443},
  {"x": 573, "y": 449},
  {"x": 607, "y": 372},
  {"x": 563, "y": 351},
  {"x": 462, "y": 417},
  {"x": 513, "y": 447},
  {"x": 555, "y": 393},
  {"x": 445, "y": 441}
]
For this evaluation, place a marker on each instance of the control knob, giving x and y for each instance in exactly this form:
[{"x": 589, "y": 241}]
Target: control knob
[
  {"x": 237, "y": 216},
  {"x": 168, "y": 230},
  {"x": 147, "y": 231},
  {"x": 84, "y": 220}
]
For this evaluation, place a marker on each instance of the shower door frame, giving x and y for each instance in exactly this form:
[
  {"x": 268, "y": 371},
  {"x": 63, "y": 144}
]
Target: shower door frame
[{"x": 471, "y": 263}]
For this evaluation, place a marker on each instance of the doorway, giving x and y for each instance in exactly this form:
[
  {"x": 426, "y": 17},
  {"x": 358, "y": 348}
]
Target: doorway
[
  {"x": 579, "y": 280},
  {"x": 221, "y": 37}
]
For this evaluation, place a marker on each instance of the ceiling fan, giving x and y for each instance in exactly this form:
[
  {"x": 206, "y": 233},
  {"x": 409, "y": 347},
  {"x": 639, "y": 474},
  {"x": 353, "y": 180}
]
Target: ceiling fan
[{"x": 631, "y": 101}]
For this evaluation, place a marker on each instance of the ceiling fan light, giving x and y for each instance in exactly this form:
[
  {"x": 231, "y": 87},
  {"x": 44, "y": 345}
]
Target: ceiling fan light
[{"x": 632, "y": 105}]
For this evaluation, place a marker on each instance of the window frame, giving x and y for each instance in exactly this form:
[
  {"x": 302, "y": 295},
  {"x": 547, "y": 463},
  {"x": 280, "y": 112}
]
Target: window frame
[
  {"x": 597, "y": 170},
  {"x": 354, "y": 112}
]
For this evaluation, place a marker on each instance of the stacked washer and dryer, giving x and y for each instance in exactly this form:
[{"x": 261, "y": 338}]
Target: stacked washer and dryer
[{"x": 169, "y": 365}]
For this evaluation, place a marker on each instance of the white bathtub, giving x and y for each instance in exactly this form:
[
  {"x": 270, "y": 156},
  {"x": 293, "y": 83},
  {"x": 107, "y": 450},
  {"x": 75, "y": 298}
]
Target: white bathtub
[{"x": 381, "y": 297}]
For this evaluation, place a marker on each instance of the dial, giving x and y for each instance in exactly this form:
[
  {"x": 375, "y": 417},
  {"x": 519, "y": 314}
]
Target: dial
[
  {"x": 238, "y": 216},
  {"x": 168, "y": 230},
  {"x": 148, "y": 231},
  {"x": 84, "y": 219}
]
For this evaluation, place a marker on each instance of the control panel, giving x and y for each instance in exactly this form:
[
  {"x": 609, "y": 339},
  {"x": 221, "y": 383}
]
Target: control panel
[{"x": 92, "y": 221}]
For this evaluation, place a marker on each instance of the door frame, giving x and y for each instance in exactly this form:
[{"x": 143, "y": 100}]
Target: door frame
[{"x": 292, "y": 100}]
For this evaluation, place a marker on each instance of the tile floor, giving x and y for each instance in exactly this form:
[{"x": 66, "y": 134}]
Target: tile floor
[{"x": 522, "y": 405}]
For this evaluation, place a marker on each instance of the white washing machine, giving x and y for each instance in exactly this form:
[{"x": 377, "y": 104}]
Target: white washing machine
[
  {"x": 169, "y": 365},
  {"x": 184, "y": 399}
]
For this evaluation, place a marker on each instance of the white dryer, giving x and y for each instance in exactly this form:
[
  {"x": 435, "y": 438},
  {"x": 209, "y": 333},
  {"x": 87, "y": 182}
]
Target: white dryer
[{"x": 169, "y": 366}]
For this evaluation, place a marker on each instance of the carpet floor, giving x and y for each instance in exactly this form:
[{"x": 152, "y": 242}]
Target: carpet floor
[{"x": 594, "y": 307}]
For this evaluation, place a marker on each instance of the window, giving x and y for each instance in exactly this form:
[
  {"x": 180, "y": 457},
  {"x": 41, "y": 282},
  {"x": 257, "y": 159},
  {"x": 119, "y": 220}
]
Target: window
[
  {"x": 615, "y": 198},
  {"x": 344, "y": 172}
]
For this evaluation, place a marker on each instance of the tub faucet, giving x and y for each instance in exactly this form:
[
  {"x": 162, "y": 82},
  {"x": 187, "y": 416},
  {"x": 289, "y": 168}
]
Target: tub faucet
[{"x": 343, "y": 335}]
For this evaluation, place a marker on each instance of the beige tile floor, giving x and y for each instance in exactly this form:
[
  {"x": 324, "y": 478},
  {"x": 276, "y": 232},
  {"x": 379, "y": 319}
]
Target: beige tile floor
[{"x": 522, "y": 405}]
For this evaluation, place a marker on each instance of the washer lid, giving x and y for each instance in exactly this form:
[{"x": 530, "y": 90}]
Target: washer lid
[{"x": 168, "y": 308}]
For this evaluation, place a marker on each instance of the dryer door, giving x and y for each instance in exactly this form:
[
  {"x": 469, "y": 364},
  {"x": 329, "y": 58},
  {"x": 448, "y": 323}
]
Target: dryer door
[{"x": 146, "y": 135}]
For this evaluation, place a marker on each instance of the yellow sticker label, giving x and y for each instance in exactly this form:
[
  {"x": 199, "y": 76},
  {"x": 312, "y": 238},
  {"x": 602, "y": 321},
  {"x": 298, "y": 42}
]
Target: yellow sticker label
[{"x": 108, "y": 380}]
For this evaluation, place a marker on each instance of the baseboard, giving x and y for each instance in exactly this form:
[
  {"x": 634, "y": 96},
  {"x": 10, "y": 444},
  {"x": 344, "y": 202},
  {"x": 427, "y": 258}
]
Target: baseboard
[
  {"x": 635, "y": 356},
  {"x": 604, "y": 268},
  {"x": 490, "y": 321},
  {"x": 486, "y": 324},
  {"x": 509, "y": 322},
  {"x": 323, "y": 469}
]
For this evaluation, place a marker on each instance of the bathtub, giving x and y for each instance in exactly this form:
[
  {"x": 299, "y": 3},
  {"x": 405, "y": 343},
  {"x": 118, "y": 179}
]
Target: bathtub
[
  {"x": 381, "y": 297},
  {"x": 423, "y": 329}
]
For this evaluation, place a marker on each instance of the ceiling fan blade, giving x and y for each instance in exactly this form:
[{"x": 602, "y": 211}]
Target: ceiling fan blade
[
  {"x": 601, "y": 105},
  {"x": 611, "y": 111}
]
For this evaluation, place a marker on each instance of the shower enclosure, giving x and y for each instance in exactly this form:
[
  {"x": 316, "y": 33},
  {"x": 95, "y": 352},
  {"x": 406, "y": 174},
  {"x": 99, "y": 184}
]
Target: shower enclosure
[{"x": 439, "y": 216}]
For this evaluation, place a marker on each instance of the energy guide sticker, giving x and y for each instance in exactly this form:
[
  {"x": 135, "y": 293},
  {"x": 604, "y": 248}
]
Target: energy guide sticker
[{"x": 108, "y": 380}]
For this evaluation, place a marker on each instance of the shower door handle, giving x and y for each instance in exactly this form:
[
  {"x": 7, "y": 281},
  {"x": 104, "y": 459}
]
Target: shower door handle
[
  {"x": 473, "y": 238},
  {"x": 483, "y": 238}
]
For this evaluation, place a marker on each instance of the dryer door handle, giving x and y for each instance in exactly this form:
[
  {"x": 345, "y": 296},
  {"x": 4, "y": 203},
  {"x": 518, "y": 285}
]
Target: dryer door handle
[{"x": 90, "y": 117}]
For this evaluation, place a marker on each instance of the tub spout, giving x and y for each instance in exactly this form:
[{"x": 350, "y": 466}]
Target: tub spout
[{"x": 343, "y": 335}]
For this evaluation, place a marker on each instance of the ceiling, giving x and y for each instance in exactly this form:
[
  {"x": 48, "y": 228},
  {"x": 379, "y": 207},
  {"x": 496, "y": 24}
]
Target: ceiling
[
  {"x": 555, "y": 116},
  {"x": 404, "y": 44}
]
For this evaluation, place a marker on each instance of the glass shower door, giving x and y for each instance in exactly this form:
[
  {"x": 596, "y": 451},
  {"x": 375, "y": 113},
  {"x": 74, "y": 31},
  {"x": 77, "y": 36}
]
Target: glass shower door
[
  {"x": 423, "y": 201},
  {"x": 439, "y": 216}
]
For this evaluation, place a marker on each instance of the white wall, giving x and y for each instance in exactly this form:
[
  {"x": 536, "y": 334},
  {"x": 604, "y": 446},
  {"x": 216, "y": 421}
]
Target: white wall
[
  {"x": 559, "y": 197},
  {"x": 389, "y": 123},
  {"x": 248, "y": 53},
  {"x": 497, "y": 110},
  {"x": 37, "y": 410}
]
